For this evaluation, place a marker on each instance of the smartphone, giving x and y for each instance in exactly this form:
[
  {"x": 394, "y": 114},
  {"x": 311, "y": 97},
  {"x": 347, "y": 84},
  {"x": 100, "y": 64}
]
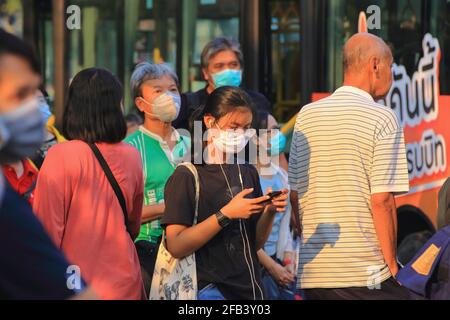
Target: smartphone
[{"x": 274, "y": 194}]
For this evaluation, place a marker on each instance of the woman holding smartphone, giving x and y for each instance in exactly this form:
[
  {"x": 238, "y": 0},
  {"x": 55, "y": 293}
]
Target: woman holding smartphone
[{"x": 234, "y": 218}]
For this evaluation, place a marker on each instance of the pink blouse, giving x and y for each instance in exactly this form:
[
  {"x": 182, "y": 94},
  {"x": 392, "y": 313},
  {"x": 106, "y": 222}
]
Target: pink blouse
[{"x": 79, "y": 209}]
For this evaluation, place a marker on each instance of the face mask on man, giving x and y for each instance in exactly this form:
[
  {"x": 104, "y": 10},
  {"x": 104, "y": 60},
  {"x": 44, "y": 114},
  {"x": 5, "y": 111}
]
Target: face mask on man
[
  {"x": 22, "y": 132},
  {"x": 166, "y": 107},
  {"x": 231, "y": 142},
  {"x": 231, "y": 78},
  {"x": 44, "y": 108}
]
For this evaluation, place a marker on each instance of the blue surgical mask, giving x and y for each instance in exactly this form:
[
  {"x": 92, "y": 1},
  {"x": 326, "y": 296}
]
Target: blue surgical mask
[
  {"x": 22, "y": 132},
  {"x": 232, "y": 78},
  {"x": 44, "y": 108},
  {"x": 277, "y": 144}
]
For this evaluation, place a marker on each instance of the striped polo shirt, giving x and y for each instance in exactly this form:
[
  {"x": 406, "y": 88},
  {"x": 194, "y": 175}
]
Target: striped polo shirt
[{"x": 344, "y": 149}]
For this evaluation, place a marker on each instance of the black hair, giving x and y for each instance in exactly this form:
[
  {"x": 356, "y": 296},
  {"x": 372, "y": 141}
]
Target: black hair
[
  {"x": 93, "y": 110},
  {"x": 43, "y": 91},
  {"x": 10, "y": 44},
  {"x": 220, "y": 102}
]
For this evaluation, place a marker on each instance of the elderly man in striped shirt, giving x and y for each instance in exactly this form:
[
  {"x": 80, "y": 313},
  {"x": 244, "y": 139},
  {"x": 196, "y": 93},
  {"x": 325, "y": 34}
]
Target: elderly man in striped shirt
[{"x": 347, "y": 163}]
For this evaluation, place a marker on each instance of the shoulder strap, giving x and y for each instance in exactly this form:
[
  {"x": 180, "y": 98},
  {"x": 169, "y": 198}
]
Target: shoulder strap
[
  {"x": 194, "y": 172},
  {"x": 112, "y": 180}
]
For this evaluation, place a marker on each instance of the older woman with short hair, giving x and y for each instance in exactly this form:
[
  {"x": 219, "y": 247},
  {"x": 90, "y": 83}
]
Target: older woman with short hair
[{"x": 156, "y": 95}]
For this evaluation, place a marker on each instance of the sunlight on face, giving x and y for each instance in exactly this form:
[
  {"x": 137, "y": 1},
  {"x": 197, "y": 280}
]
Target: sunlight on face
[
  {"x": 221, "y": 61},
  {"x": 18, "y": 82},
  {"x": 152, "y": 89},
  {"x": 238, "y": 120}
]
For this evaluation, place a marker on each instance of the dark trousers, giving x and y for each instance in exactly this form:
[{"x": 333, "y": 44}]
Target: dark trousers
[
  {"x": 147, "y": 253},
  {"x": 390, "y": 290}
]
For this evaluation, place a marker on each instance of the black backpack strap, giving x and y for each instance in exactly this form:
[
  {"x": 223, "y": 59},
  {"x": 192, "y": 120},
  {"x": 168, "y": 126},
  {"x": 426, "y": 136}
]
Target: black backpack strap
[{"x": 114, "y": 184}]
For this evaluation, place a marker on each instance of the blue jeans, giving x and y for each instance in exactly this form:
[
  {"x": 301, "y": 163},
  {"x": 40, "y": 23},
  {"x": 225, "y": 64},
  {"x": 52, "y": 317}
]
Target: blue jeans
[{"x": 210, "y": 292}]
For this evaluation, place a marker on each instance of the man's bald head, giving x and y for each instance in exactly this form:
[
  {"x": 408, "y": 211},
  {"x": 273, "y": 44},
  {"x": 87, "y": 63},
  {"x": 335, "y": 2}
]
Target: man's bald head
[
  {"x": 368, "y": 64},
  {"x": 360, "y": 48}
]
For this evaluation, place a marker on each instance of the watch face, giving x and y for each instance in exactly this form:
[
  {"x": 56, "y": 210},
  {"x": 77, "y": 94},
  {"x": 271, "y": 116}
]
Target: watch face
[{"x": 223, "y": 220}]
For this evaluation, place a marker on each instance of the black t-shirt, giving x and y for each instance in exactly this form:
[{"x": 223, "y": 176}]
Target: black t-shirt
[
  {"x": 229, "y": 260},
  {"x": 31, "y": 267},
  {"x": 192, "y": 101}
]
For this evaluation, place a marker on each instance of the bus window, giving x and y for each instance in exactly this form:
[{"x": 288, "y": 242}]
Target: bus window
[
  {"x": 204, "y": 20},
  {"x": 403, "y": 29},
  {"x": 150, "y": 34},
  {"x": 285, "y": 52}
]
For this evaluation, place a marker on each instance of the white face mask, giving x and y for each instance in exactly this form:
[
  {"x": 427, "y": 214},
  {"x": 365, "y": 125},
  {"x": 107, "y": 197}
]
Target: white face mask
[
  {"x": 166, "y": 107},
  {"x": 231, "y": 142}
]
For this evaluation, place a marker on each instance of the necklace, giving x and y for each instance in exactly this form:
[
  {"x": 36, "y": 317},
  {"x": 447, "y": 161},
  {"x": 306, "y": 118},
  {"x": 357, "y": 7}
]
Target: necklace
[{"x": 228, "y": 183}]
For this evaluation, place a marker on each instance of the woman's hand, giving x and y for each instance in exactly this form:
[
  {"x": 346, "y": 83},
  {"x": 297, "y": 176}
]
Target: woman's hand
[
  {"x": 281, "y": 275},
  {"x": 278, "y": 204},
  {"x": 241, "y": 208}
]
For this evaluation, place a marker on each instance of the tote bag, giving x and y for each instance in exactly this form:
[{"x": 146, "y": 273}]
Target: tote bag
[{"x": 176, "y": 279}]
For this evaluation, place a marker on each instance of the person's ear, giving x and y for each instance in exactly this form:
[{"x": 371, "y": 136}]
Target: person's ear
[
  {"x": 206, "y": 74},
  {"x": 374, "y": 64},
  {"x": 377, "y": 70},
  {"x": 139, "y": 104},
  {"x": 209, "y": 121}
]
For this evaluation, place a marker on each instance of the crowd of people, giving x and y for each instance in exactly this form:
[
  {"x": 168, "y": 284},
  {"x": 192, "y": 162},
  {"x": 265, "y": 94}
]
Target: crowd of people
[{"x": 86, "y": 212}]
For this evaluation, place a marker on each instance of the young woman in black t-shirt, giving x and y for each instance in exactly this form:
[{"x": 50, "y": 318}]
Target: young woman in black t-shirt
[{"x": 234, "y": 218}]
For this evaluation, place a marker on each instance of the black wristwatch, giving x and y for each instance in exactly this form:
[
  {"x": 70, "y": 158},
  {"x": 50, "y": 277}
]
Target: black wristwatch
[{"x": 223, "y": 220}]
